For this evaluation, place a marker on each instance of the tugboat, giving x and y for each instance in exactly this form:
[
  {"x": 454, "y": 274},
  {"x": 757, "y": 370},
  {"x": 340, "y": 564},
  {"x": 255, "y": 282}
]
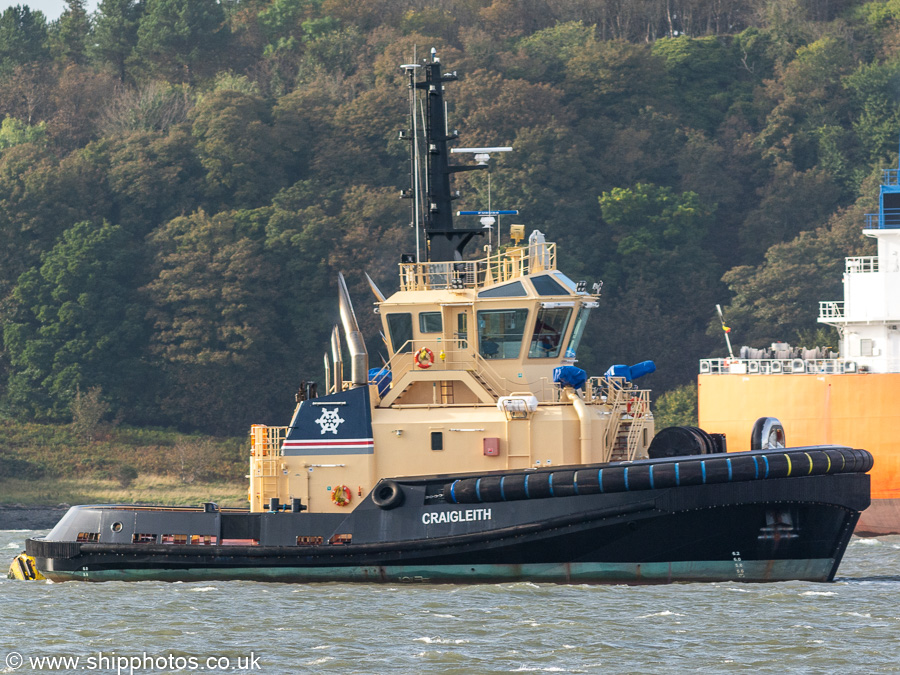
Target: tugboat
[{"x": 479, "y": 452}]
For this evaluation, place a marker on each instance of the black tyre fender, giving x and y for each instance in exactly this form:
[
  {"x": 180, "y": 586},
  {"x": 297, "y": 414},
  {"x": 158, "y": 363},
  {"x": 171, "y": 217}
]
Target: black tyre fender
[{"x": 387, "y": 494}]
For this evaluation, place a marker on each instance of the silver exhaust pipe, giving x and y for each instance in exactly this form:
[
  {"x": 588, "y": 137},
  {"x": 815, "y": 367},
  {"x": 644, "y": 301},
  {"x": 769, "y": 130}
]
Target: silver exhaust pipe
[
  {"x": 375, "y": 290},
  {"x": 337, "y": 358},
  {"x": 327, "y": 374},
  {"x": 359, "y": 357}
]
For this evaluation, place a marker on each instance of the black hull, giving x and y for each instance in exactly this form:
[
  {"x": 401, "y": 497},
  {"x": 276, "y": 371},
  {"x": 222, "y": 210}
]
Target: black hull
[{"x": 755, "y": 530}]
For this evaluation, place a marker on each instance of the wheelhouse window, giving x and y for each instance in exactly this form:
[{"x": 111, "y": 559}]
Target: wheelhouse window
[
  {"x": 513, "y": 290},
  {"x": 400, "y": 328},
  {"x": 545, "y": 285},
  {"x": 577, "y": 332},
  {"x": 500, "y": 332},
  {"x": 565, "y": 281},
  {"x": 549, "y": 330},
  {"x": 430, "y": 322}
]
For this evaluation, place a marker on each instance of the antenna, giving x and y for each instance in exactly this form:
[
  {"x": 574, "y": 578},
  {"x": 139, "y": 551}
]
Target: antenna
[
  {"x": 431, "y": 170},
  {"x": 726, "y": 329},
  {"x": 410, "y": 69},
  {"x": 482, "y": 158}
]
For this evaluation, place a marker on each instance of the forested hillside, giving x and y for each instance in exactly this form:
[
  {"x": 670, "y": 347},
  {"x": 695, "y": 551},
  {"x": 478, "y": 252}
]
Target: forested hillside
[{"x": 181, "y": 180}]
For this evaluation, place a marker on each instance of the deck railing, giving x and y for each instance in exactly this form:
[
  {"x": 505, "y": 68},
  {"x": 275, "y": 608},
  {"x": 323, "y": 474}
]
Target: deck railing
[
  {"x": 888, "y": 220},
  {"x": 456, "y": 355},
  {"x": 266, "y": 441},
  {"x": 861, "y": 264},
  {"x": 775, "y": 366},
  {"x": 504, "y": 266},
  {"x": 830, "y": 310}
]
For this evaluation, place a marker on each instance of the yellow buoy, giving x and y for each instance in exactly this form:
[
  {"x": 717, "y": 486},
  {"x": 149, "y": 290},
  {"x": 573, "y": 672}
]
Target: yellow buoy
[{"x": 24, "y": 569}]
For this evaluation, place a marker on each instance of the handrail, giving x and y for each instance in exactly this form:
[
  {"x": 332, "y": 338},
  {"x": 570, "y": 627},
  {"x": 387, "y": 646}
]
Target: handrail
[
  {"x": 610, "y": 390},
  {"x": 831, "y": 309},
  {"x": 639, "y": 409},
  {"x": 457, "y": 358},
  {"x": 494, "y": 380},
  {"x": 504, "y": 266},
  {"x": 776, "y": 366},
  {"x": 266, "y": 441},
  {"x": 888, "y": 219},
  {"x": 861, "y": 264},
  {"x": 403, "y": 361}
]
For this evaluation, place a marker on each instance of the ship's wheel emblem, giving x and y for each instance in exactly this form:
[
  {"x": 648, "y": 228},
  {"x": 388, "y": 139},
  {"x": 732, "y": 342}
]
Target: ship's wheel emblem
[{"x": 330, "y": 420}]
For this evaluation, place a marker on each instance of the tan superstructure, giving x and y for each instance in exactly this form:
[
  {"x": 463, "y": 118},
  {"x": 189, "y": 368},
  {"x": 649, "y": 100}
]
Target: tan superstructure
[{"x": 472, "y": 350}]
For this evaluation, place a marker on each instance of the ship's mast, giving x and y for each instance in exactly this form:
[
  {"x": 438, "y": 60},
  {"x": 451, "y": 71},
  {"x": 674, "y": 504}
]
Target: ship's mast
[{"x": 444, "y": 241}]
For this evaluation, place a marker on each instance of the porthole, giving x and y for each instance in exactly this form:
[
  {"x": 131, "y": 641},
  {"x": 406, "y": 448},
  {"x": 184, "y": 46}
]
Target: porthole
[{"x": 116, "y": 527}]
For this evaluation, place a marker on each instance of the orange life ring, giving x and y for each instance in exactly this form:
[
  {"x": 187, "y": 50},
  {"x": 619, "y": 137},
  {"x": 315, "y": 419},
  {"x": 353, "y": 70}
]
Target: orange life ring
[
  {"x": 341, "y": 495},
  {"x": 424, "y": 358}
]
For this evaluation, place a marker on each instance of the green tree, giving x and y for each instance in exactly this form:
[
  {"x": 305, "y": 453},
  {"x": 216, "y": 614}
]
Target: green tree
[
  {"x": 549, "y": 50},
  {"x": 706, "y": 77},
  {"x": 70, "y": 33},
  {"x": 806, "y": 95},
  {"x": 146, "y": 164},
  {"x": 236, "y": 141},
  {"x": 176, "y": 38},
  {"x": 778, "y": 300},
  {"x": 335, "y": 52},
  {"x": 15, "y": 132},
  {"x": 115, "y": 32},
  {"x": 430, "y": 21},
  {"x": 23, "y": 37},
  {"x": 215, "y": 326},
  {"x": 791, "y": 201},
  {"x": 659, "y": 281},
  {"x": 616, "y": 78},
  {"x": 76, "y": 323},
  {"x": 676, "y": 407},
  {"x": 39, "y": 197},
  {"x": 875, "y": 91}
]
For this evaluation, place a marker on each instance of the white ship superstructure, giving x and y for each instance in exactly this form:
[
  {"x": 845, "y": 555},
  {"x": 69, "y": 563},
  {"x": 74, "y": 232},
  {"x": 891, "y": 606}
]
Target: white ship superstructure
[{"x": 868, "y": 318}]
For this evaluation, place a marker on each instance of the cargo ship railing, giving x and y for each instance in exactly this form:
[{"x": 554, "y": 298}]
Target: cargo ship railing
[
  {"x": 776, "y": 366},
  {"x": 862, "y": 264},
  {"x": 830, "y": 310},
  {"x": 889, "y": 219}
]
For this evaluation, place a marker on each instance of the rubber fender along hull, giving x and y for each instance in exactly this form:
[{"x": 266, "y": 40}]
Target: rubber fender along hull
[
  {"x": 789, "y": 528},
  {"x": 659, "y": 473}
]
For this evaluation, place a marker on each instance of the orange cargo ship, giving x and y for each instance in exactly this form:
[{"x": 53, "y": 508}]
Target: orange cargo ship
[{"x": 851, "y": 397}]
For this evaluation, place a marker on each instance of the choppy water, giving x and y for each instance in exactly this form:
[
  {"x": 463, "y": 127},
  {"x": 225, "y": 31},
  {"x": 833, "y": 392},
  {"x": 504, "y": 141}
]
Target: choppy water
[{"x": 850, "y": 626}]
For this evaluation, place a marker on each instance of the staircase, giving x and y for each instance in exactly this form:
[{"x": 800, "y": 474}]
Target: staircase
[
  {"x": 629, "y": 417},
  {"x": 619, "y": 450},
  {"x": 484, "y": 383}
]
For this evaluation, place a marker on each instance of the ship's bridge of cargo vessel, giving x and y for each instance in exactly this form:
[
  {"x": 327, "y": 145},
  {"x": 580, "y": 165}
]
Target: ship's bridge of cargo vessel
[{"x": 480, "y": 376}]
